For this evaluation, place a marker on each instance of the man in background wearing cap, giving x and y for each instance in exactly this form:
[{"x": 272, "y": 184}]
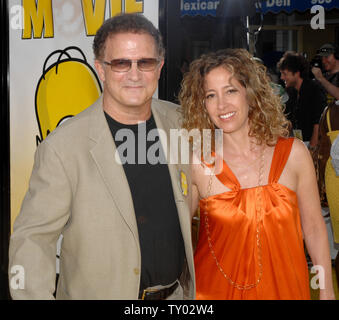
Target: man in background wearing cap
[
  {"x": 329, "y": 54},
  {"x": 328, "y": 127}
]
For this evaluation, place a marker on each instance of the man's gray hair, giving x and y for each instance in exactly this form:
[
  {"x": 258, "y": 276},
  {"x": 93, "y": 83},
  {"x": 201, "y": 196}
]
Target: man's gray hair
[{"x": 124, "y": 23}]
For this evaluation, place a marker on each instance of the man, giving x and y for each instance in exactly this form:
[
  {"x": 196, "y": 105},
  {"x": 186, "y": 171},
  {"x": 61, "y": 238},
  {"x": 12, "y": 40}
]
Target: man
[
  {"x": 328, "y": 130},
  {"x": 125, "y": 224},
  {"x": 311, "y": 100},
  {"x": 329, "y": 54}
]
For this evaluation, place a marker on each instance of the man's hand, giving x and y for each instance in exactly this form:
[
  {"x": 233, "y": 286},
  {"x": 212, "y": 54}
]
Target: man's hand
[
  {"x": 328, "y": 86},
  {"x": 317, "y": 73}
]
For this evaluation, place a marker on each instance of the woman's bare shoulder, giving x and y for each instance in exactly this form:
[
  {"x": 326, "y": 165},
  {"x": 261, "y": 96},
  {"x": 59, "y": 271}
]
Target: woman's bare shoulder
[
  {"x": 299, "y": 148},
  {"x": 300, "y": 157}
]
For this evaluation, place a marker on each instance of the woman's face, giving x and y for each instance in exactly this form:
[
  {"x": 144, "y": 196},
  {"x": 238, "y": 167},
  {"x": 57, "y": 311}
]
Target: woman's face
[{"x": 226, "y": 101}]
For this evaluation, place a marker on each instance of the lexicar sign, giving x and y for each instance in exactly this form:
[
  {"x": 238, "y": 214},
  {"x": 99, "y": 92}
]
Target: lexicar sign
[
  {"x": 198, "y": 7},
  {"x": 52, "y": 75}
]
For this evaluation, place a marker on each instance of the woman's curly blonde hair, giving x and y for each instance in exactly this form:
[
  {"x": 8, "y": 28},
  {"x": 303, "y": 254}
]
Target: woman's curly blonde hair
[{"x": 267, "y": 121}]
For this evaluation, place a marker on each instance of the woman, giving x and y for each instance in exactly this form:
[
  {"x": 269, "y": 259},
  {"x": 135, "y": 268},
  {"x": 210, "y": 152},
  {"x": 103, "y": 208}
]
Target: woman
[
  {"x": 256, "y": 211},
  {"x": 328, "y": 180}
]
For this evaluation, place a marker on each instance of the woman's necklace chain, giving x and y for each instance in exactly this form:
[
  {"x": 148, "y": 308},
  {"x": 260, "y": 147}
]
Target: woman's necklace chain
[
  {"x": 258, "y": 240},
  {"x": 246, "y": 165}
]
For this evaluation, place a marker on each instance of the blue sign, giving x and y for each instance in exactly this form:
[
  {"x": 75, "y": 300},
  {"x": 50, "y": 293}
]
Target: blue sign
[
  {"x": 276, "y": 6},
  {"x": 209, "y": 7},
  {"x": 198, "y": 7}
]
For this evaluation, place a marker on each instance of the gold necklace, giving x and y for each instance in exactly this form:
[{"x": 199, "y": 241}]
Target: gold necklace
[
  {"x": 258, "y": 241},
  {"x": 243, "y": 166},
  {"x": 247, "y": 165}
]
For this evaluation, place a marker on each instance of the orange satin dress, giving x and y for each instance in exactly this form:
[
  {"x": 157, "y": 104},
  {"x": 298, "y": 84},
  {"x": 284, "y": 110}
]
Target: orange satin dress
[{"x": 252, "y": 247}]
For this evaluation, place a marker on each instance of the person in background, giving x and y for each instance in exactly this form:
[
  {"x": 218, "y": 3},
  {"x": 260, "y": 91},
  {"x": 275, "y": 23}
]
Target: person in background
[
  {"x": 328, "y": 181},
  {"x": 277, "y": 88},
  {"x": 124, "y": 218},
  {"x": 257, "y": 209},
  {"x": 311, "y": 99},
  {"x": 329, "y": 54},
  {"x": 292, "y": 93}
]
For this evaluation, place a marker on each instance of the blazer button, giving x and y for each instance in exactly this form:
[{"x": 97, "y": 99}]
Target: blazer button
[{"x": 136, "y": 271}]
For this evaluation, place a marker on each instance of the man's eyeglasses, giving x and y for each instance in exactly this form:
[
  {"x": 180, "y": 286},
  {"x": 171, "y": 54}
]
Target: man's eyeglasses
[{"x": 124, "y": 65}]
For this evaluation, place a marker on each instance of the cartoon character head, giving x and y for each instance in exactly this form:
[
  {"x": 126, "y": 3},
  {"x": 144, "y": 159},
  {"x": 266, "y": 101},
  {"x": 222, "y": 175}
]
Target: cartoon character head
[{"x": 65, "y": 88}]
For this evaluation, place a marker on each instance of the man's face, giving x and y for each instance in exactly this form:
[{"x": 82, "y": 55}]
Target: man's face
[
  {"x": 329, "y": 62},
  {"x": 131, "y": 89},
  {"x": 289, "y": 77}
]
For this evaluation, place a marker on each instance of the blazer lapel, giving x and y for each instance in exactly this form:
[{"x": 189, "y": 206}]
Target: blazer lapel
[
  {"x": 165, "y": 124},
  {"x": 103, "y": 151}
]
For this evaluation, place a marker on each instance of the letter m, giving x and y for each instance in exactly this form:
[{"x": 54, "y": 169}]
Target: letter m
[
  {"x": 183, "y": 136},
  {"x": 38, "y": 15}
]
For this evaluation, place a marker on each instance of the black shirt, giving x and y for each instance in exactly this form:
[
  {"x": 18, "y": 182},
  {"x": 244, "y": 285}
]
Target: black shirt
[
  {"x": 334, "y": 79},
  {"x": 161, "y": 242},
  {"x": 310, "y": 105},
  {"x": 290, "y": 106}
]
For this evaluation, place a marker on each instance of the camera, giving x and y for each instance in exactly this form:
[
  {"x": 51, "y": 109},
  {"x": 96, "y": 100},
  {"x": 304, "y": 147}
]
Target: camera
[{"x": 316, "y": 62}]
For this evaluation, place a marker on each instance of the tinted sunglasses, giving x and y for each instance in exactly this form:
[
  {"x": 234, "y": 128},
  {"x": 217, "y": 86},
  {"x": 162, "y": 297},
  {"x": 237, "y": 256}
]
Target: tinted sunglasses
[{"x": 124, "y": 65}]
